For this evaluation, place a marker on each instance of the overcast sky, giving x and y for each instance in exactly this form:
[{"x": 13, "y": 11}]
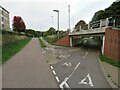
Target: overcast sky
[{"x": 37, "y": 14}]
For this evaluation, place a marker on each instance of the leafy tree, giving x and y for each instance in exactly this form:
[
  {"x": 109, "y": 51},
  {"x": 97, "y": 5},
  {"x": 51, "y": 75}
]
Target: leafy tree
[
  {"x": 18, "y": 24},
  {"x": 112, "y": 11},
  {"x": 30, "y": 32},
  {"x": 45, "y": 34},
  {"x": 81, "y": 23},
  {"x": 37, "y": 34},
  {"x": 51, "y": 31},
  {"x": 101, "y": 14}
]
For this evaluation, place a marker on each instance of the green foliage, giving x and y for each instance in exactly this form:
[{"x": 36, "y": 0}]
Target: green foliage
[
  {"x": 31, "y": 33},
  {"x": 109, "y": 60},
  {"x": 41, "y": 43},
  {"x": 112, "y": 11},
  {"x": 8, "y": 50},
  {"x": 101, "y": 14},
  {"x": 83, "y": 25},
  {"x": 37, "y": 34},
  {"x": 51, "y": 39},
  {"x": 51, "y": 31}
]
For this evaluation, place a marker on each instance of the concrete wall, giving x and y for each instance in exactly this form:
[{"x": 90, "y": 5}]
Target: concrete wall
[
  {"x": 112, "y": 44},
  {"x": 4, "y": 19},
  {"x": 65, "y": 41}
]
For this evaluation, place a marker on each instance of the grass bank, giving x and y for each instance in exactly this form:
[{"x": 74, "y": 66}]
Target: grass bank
[
  {"x": 41, "y": 43},
  {"x": 51, "y": 39},
  {"x": 10, "y": 49},
  {"x": 110, "y": 61}
]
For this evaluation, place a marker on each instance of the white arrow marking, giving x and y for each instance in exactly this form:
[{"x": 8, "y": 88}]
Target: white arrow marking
[{"x": 90, "y": 81}]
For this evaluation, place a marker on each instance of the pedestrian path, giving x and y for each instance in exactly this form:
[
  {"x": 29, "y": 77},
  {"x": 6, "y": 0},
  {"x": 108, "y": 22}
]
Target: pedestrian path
[
  {"x": 112, "y": 74},
  {"x": 28, "y": 69}
]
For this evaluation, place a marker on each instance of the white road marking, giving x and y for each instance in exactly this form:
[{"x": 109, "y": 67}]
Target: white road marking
[
  {"x": 69, "y": 55},
  {"x": 86, "y": 53},
  {"x": 67, "y": 64},
  {"x": 51, "y": 67},
  {"x": 67, "y": 78},
  {"x": 90, "y": 81},
  {"x": 54, "y": 72},
  {"x": 83, "y": 57},
  {"x": 57, "y": 78},
  {"x": 64, "y": 83},
  {"x": 53, "y": 52}
]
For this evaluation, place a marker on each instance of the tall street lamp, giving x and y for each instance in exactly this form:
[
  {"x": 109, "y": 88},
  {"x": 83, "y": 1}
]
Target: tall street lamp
[
  {"x": 58, "y": 21},
  {"x": 69, "y": 16}
]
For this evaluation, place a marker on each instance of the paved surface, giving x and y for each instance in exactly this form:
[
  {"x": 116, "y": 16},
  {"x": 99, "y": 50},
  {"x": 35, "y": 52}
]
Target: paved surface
[
  {"x": 80, "y": 70},
  {"x": 28, "y": 69},
  {"x": 113, "y": 73}
]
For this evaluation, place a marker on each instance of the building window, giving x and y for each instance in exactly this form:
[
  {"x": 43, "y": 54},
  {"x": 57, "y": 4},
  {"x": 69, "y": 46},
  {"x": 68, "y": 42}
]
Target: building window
[
  {"x": 3, "y": 19},
  {"x": 2, "y": 12},
  {"x": 2, "y": 25}
]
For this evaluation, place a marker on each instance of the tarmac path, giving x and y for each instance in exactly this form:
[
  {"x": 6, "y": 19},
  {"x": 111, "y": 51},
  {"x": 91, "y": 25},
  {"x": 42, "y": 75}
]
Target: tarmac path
[{"x": 28, "y": 69}]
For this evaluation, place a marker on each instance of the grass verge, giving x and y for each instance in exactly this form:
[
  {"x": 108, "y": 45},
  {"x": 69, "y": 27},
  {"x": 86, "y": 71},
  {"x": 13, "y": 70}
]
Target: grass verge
[
  {"x": 51, "y": 39},
  {"x": 41, "y": 43},
  {"x": 110, "y": 61},
  {"x": 8, "y": 50}
]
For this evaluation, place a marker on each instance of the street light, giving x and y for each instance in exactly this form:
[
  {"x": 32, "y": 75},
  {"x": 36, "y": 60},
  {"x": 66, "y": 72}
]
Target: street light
[
  {"x": 69, "y": 16},
  {"x": 58, "y": 21}
]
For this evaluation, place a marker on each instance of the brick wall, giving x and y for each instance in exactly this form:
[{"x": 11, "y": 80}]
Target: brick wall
[
  {"x": 112, "y": 44},
  {"x": 65, "y": 41}
]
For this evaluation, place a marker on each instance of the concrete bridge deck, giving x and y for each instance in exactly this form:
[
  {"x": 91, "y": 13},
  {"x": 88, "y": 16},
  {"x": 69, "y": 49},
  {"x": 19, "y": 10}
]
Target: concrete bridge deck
[{"x": 95, "y": 31}]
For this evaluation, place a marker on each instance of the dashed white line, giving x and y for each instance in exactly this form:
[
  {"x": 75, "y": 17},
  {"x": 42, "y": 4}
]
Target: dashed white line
[
  {"x": 57, "y": 78},
  {"x": 51, "y": 67},
  {"x": 54, "y": 72},
  {"x": 86, "y": 53},
  {"x": 83, "y": 57}
]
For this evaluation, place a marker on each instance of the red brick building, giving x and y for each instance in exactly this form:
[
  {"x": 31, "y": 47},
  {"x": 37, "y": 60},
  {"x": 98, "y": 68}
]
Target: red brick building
[{"x": 112, "y": 44}]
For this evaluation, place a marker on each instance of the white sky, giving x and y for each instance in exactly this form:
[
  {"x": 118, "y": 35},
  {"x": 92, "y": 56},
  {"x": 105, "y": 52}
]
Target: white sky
[{"x": 37, "y": 14}]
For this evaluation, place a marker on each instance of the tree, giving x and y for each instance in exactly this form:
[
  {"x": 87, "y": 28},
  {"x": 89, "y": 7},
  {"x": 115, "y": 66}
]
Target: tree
[
  {"x": 81, "y": 23},
  {"x": 30, "y": 32},
  {"x": 112, "y": 11},
  {"x": 51, "y": 31},
  {"x": 18, "y": 24},
  {"x": 101, "y": 14}
]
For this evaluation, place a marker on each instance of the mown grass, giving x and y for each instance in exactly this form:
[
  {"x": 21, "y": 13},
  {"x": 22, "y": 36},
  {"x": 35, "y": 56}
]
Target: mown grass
[
  {"x": 9, "y": 50},
  {"x": 41, "y": 43},
  {"x": 109, "y": 60}
]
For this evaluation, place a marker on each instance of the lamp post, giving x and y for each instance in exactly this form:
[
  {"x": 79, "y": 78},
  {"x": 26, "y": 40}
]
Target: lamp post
[
  {"x": 69, "y": 16},
  {"x": 58, "y": 21}
]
